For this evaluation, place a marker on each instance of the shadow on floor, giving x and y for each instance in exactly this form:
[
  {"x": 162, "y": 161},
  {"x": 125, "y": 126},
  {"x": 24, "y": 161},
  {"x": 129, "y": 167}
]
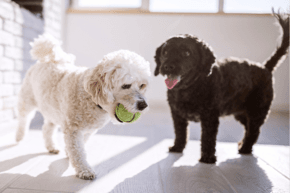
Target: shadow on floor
[
  {"x": 244, "y": 172},
  {"x": 198, "y": 178},
  {"x": 52, "y": 178},
  {"x": 246, "y": 175},
  {"x": 7, "y": 147},
  {"x": 11, "y": 163}
]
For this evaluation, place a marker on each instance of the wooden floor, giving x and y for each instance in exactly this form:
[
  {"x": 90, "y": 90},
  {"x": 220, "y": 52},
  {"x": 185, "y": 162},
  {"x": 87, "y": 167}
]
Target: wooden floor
[{"x": 134, "y": 158}]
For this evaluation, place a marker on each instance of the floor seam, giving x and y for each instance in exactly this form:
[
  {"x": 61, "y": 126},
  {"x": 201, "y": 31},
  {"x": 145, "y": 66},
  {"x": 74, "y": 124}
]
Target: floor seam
[
  {"x": 224, "y": 177},
  {"x": 20, "y": 174},
  {"x": 160, "y": 177},
  {"x": 38, "y": 190},
  {"x": 273, "y": 167}
]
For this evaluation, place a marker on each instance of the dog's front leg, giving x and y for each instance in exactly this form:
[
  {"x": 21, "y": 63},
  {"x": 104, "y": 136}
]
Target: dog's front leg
[
  {"x": 74, "y": 141},
  {"x": 181, "y": 132},
  {"x": 209, "y": 126}
]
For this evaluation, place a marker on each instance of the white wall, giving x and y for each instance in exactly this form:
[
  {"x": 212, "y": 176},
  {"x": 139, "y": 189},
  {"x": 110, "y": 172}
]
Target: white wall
[{"x": 90, "y": 36}]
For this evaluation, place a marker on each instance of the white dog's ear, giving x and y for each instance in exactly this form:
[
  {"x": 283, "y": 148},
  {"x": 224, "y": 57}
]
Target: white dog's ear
[{"x": 97, "y": 87}]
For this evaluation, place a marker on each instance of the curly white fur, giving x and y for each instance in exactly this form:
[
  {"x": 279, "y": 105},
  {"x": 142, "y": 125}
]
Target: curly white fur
[{"x": 67, "y": 96}]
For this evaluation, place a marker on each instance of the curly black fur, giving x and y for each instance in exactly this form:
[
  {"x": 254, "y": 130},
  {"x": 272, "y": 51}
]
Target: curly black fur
[{"x": 208, "y": 90}]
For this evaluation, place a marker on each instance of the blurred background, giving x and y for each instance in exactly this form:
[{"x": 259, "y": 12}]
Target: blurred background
[
  {"x": 134, "y": 157},
  {"x": 92, "y": 28},
  {"x": 244, "y": 29}
]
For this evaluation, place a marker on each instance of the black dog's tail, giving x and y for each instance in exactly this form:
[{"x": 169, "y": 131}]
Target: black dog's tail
[{"x": 281, "y": 52}]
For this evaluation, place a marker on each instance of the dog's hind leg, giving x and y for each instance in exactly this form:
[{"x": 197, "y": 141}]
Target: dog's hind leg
[
  {"x": 252, "y": 131},
  {"x": 252, "y": 121},
  {"x": 25, "y": 116},
  {"x": 26, "y": 111},
  {"x": 49, "y": 130},
  {"x": 257, "y": 109},
  {"x": 243, "y": 119}
]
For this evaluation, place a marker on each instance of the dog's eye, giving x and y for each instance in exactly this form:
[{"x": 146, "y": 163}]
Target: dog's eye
[
  {"x": 187, "y": 53},
  {"x": 126, "y": 86},
  {"x": 165, "y": 53},
  {"x": 142, "y": 86}
]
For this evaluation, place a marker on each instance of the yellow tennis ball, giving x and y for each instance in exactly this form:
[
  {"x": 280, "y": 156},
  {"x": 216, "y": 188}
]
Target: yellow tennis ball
[
  {"x": 124, "y": 115},
  {"x": 136, "y": 116}
]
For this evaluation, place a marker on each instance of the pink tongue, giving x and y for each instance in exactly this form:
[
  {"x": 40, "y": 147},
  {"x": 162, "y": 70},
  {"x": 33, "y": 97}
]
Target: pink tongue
[{"x": 170, "y": 83}]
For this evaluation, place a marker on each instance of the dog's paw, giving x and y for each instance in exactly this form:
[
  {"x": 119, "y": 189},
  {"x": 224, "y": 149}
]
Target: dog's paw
[
  {"x": 175, "y": 149},
  {"x": 54, "y": 151},
  {"x": 19, "y": 137},
  {"x": 86, "y": 175},
  {"x": 244, "y": 149},
  {"x": 208, "y": 159}
]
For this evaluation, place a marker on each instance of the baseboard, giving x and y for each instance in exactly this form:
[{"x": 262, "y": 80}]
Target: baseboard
[
  {"x": 283, "y": 108},
  {"x": 163, "y": 105}
]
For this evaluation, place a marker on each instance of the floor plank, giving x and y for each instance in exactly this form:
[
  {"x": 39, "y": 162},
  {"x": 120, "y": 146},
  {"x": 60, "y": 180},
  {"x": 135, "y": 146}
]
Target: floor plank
[
  {"x": 248, "y": 173},
  {"x": 275, "y": 156},
  {"x": 183, "y": 172},
  {"x": 138, "y": 174},
  {"x": 54, "y": 173},
  {"x": 17, "y": 159},
  {"x": 135, "y": 158},
  {"x": 10, "y": 190}
]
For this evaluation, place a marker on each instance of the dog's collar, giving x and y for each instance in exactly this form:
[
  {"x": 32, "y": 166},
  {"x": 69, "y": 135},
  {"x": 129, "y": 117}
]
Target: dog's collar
[{"x": 99, "y": 106}]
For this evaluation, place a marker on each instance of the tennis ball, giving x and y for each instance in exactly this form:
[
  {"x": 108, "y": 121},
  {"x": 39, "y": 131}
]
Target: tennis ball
[{"x": 124, "y": 115}]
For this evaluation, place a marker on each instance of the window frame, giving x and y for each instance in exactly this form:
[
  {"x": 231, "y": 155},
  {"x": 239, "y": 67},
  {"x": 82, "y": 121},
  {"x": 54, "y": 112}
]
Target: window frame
[{"x": 144, "y": 9}]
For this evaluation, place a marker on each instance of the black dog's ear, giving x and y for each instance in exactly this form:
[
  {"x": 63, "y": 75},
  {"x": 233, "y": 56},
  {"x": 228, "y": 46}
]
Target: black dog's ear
[
  {"x": 207, "y": 57},
  {"x": 157, "y": 60}
]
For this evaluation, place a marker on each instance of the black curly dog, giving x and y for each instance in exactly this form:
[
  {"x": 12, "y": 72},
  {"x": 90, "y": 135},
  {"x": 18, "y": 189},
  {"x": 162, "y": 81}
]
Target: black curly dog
[{"x": 207, "y": 89}]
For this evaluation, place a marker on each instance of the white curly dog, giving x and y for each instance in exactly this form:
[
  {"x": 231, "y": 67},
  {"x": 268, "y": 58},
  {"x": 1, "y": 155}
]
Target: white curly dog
[{"x": 78, "y": 99}]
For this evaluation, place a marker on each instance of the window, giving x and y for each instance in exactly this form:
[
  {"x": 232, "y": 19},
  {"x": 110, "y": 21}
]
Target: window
[
  {"x": 255, "y": 6},
  {"x": 110, "y": 3},
  {"x": 183, "y": 6},
  {"x": 187, "y": 6}
]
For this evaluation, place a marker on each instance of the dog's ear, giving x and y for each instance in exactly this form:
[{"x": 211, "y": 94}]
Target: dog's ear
[
  {"x": 97, "y": 85},
  {"x": 207, "y": 57},
  {"x": 157, "y": 60}
]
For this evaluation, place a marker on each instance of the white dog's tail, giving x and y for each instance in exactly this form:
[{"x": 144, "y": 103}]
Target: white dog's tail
[{"x": 47, "y": 49}]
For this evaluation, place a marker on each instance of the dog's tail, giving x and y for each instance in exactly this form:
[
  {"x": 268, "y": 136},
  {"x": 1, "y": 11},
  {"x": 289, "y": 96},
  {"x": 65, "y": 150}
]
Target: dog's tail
[
  {"x": 281, "y": 52},
  {"x": 47, "y": 49}
]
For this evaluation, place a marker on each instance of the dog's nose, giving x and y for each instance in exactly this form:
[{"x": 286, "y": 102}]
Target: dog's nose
[
  {"x": 169, "y": 67},
  {"x": 141, "y": 105}
]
